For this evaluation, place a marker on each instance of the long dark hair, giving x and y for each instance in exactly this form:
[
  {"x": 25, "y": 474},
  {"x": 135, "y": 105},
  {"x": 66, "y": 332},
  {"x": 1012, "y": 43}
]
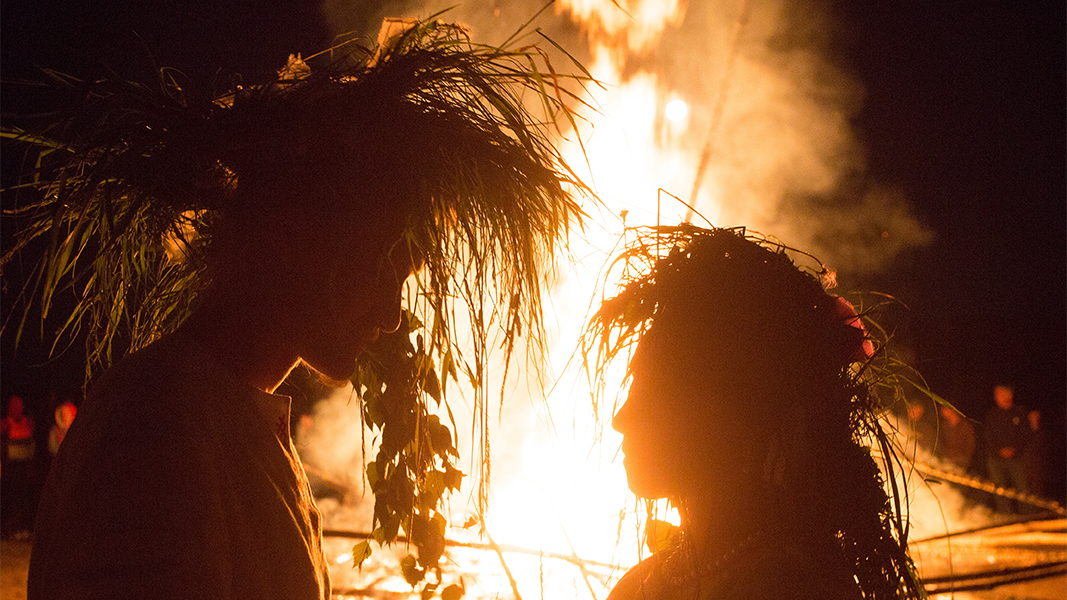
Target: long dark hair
[{"x": 734, "y": 313}]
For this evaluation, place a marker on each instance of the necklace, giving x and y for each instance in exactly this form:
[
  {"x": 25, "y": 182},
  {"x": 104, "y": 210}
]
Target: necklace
[{"x": 684, "y": 574}]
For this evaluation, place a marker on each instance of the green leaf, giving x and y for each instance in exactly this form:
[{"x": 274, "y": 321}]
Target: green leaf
[
  {"x": 453, "y": 477},
  {"x": 432, "y": 489},
  {"x": 390, "y": 528},
  {"x": 375, "y": 408},
  {"x": 373, "y": 477},
  {"x": 360, "y": 553},
  {"x": 453, "y": 592},
  {"x": 379, "y": 536},
  {"x": 440, "y": 436},
  {"x": 410, "y": 570},
  {"x": 429, "y": 535},
  {"x": 431, "y": 385},
  {"x": 660, "y": 535}
]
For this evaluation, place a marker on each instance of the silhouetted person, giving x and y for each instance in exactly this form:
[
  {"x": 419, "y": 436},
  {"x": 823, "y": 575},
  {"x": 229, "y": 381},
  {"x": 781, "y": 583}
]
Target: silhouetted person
[
  {"x": 65, "y": 414},
  {"x": 1036, "y": 454},
  {"x": 923, "y": 425},
  {"x": 18, "y": 476},
  {"x": 178, "y": 478},
  {"x": 741, "y": 412},
  {"x": 957, "y": 439},
  {"x": 1006, "y": 432}
]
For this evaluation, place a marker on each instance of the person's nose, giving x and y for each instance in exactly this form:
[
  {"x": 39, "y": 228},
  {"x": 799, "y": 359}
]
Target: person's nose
[
  {"x": 390, "y": 320},
  {"x": 389, "y": 310},
  {"x": 402, "y": 262},
  {"x": 621, "y": 420}
]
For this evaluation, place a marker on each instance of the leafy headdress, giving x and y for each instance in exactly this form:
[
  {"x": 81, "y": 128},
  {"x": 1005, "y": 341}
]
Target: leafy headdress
[
  {"x": 134, "y": 184},
  {"x": 751, "y": 337}
]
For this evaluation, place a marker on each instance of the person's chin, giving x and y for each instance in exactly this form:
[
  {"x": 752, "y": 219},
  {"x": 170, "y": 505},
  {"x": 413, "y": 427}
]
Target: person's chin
[
  {"x": 332, "y": 381},
  {"x": 336, "y": 371},
  {"x": 641, "y": 482},
  {"x": 643, "y": 489}
]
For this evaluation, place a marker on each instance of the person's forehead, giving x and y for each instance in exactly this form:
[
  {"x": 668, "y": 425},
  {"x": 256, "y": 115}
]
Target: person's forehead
[
  {"x": 656, "y": 363},
  {"x": 366, "y": 230},
  {"x": 406, "y": 254}
]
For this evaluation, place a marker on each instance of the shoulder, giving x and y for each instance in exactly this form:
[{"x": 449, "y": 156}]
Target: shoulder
[
  {"x": 157, "y": 368},
  {"x": 135, "y": 406},
  {"x": 784, "y": 569},
  {"x": 630, "y": 586},
  {"x": 157, "y": 416},
  {"x": 788, "y": 570},
  {"x": 171, "y": 384},
  {"x": 134, "y": 482}
]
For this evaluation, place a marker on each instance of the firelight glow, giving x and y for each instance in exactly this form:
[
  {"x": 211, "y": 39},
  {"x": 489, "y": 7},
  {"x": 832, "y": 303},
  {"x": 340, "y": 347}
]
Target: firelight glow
[
  {"x": 558, "y": 485},
  {"x": 676, "y": 110}
]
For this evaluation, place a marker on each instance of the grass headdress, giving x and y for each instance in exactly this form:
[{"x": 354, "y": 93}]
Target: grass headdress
[{"x": 128, "y": 172}]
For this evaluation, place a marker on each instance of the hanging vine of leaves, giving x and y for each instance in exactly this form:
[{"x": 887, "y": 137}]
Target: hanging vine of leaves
[{"x": 413, "y": 469}]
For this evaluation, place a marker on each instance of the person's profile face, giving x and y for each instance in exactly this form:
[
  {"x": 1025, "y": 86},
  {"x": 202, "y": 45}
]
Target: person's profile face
[
  {"x": 665, "y": 439},
  {"x": 359, "y": 297}
]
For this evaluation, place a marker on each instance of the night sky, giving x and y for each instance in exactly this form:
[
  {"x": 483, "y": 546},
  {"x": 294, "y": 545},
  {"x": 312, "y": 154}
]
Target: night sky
[{"x": 964, "y": 110}]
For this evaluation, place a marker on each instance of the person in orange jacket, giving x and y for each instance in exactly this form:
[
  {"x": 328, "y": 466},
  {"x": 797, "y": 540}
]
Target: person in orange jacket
[{"x": 19, "y": 451}]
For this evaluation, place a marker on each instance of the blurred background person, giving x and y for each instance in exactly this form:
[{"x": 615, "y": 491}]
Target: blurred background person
[
  {"x": 18, "y": 470},
  {"x": 65, "y": 414},
  {"x": 1006, "y": 432},
  {"x": 956, "y": 439},
  {"x": 1036, "y": 455}
]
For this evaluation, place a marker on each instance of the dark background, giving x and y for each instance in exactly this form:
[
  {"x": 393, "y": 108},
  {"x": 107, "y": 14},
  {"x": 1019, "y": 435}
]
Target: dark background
[{"x": 964, "y": 110}]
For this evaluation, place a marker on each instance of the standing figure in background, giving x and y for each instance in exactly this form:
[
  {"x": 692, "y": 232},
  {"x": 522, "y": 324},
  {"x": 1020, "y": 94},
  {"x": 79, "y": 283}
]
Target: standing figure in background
[
  {"x": 18, "y": 477},
  {"x": 1036, "y": 454},
  {"x": 65, "y": 414},
  {"x": 957, "y": 439},
  {"x": 923, "y": 425},
  {"x": 1006, "y": 432},
  {"x": 745, "y": 410}
]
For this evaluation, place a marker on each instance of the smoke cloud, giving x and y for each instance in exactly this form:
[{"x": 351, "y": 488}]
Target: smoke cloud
[{"x": 770, "y": 104}]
